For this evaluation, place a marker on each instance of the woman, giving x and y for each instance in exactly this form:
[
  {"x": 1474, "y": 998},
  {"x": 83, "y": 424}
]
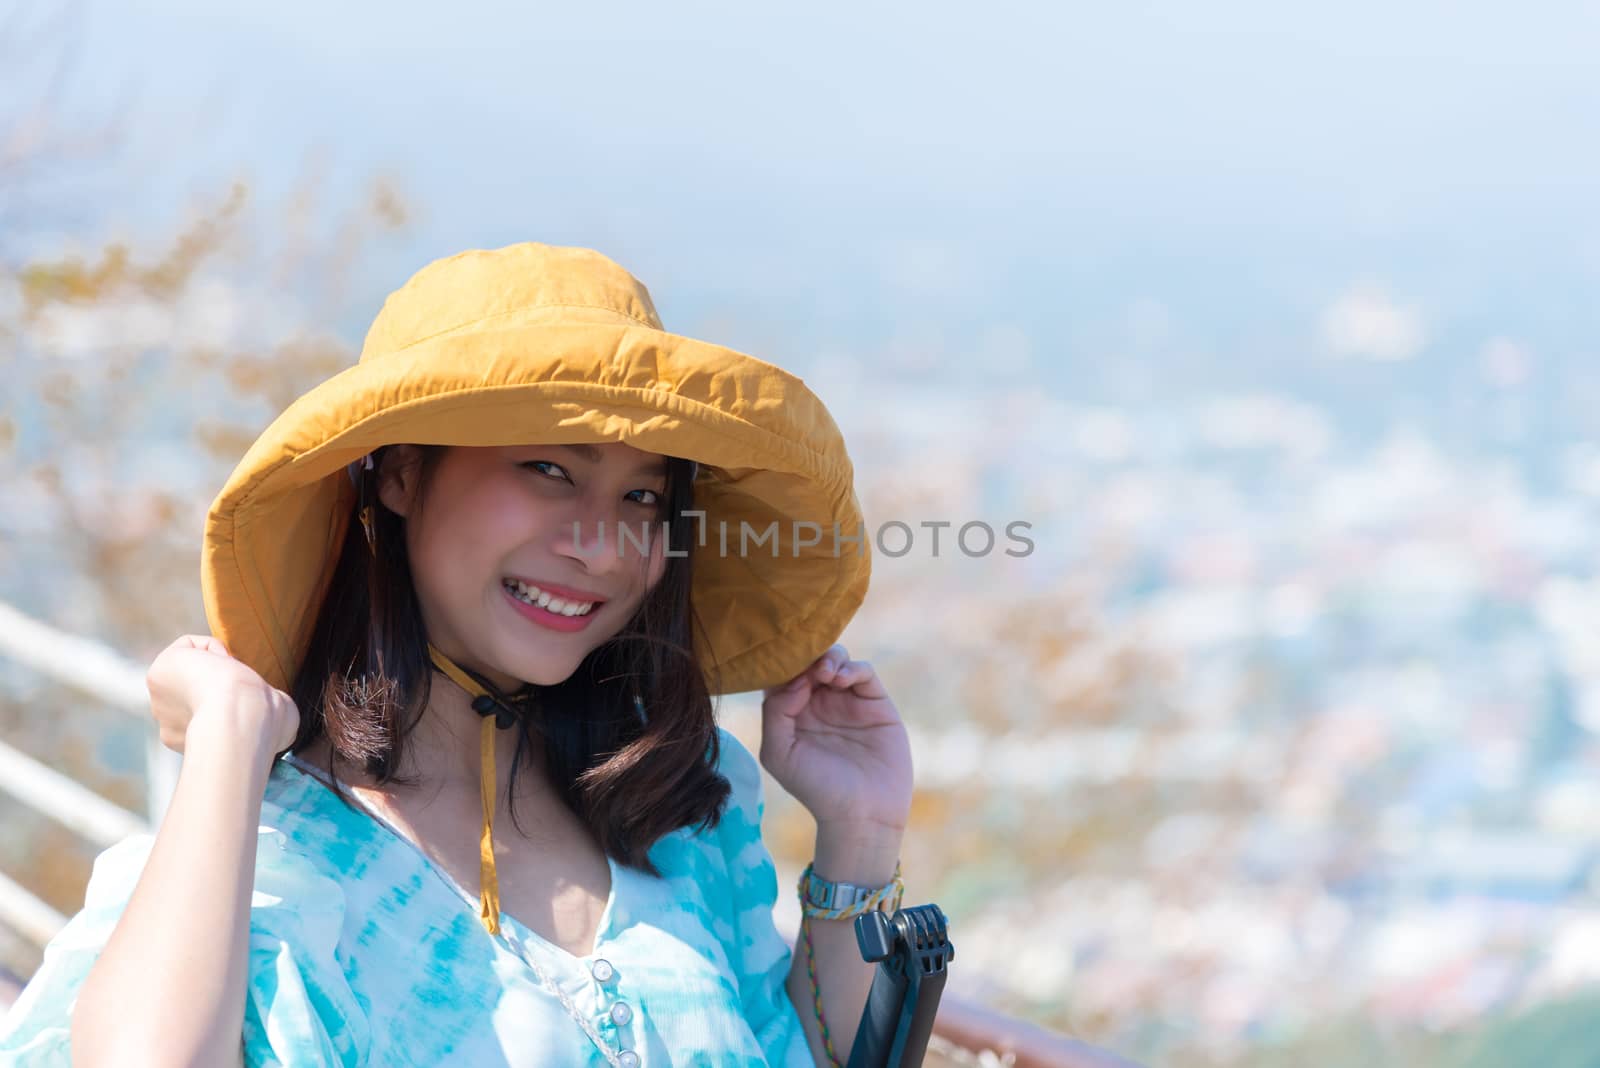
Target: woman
[{"x": 497, "y": 570}]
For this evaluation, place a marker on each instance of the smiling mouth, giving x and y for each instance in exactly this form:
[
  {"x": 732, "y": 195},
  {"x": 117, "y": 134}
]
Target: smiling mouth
[{"x": 561, "y": 606}]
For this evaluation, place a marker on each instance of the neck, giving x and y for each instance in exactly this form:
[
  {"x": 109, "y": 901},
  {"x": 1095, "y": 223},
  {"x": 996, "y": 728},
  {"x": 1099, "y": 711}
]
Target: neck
[{"x": 442, "y": 752}]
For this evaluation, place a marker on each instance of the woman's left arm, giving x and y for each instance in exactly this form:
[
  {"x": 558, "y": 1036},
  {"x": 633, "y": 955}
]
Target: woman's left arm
[
  {"x": 832, "y": 738},
  {"x": 843, "y": 977}
]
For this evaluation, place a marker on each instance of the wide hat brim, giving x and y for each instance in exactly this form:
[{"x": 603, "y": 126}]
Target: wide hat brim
[{"x": 767, "y": 447}]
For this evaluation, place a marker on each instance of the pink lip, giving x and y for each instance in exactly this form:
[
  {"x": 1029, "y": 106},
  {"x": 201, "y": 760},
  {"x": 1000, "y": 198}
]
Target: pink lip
[{"x": 553, "y": 620}]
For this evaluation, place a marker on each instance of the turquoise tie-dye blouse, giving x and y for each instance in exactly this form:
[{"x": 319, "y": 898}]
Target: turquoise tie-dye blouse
[{"x": 363, "y": 952}]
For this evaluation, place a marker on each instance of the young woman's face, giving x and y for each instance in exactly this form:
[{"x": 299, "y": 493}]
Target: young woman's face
[{"x": 527, "y": 558}]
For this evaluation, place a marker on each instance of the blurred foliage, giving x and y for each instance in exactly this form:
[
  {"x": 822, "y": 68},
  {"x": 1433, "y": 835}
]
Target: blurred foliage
[
  {"x": 47, "y": 164},
  {"x": 1557, "y": 1034},
  {"x": 137, "y": 370},
  {"x": 122, "y": 357}
]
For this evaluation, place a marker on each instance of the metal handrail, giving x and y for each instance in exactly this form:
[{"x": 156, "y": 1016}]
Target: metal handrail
[
  {"x": 64, "y": 799},
  {"x": 105, "y": 676},
  {"x": 23, "y": 912},
  {"x": 95, "y": 671},
  {"x": 966, "y": 1025}
]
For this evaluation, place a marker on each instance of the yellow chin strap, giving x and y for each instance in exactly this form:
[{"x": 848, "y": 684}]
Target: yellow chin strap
[{"x": 494, "y": 710}]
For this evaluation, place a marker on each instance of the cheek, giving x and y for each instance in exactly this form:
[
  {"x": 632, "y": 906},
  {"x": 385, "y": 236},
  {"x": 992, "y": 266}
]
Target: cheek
[
  {"x": 492, "y": 518},
  {"x": 650, "y": 570},
  {"x": 427, "y": 580},
  {"x": 657, "y": 566},
  {"x": 465, "y": 534},
  {"x": 434, "y": 559},
  {"x": 503, "y": 521}
]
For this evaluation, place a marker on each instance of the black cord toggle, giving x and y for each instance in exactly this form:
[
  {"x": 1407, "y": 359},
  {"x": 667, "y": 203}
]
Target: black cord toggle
[{"x": 484, "y": 705}]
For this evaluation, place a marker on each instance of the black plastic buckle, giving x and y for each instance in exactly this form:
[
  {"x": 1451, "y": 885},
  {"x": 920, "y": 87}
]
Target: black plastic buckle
[{"x": 484, "y": 705}]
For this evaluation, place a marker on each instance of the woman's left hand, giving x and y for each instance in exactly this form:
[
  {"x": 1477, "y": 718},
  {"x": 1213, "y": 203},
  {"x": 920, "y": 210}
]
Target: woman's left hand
[{"x": 834, "y": 740}]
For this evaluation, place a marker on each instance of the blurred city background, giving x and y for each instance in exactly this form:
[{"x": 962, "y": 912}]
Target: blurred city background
[{"x": 1278, "y": 325}]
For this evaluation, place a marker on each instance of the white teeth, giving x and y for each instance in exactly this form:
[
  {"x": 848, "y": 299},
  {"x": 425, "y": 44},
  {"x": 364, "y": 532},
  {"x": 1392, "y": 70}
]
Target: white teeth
[{"x": 533, "y": 595}]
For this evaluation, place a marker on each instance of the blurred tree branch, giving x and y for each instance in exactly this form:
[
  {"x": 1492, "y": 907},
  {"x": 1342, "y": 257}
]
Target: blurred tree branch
[
  {"x": 137, "y": 371},
  {"x": 119, "y": 357},
  {"x": 38, "y": 146}
]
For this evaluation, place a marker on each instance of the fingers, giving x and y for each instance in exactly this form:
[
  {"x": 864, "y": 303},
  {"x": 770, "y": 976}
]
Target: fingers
[
  {"x": 819, "y": 670},
  {"x": 200, "y": 641},
  {"x": 851, "y": 672},
  {"x": 861, "y": 677},
  {"x": 788, "y": 687},
  {"x": 173, "y": 740},
  {"x": 829, "y": 662},
  {"x": 835, "y": 669}
]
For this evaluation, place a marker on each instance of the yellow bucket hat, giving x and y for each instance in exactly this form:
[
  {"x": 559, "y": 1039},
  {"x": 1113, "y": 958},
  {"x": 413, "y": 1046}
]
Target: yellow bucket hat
[
  {"x": 536, "y": 344},
  {"x": 540, "y": 344}
]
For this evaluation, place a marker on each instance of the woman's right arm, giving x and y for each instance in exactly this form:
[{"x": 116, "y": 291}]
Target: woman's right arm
[{"x": 170, "y": 982}]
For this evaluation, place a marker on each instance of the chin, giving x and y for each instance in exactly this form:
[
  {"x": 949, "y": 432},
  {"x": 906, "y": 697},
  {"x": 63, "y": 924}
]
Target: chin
[
  {"x": 546, "y": 674},
  {"x": 551, "y": 678}
]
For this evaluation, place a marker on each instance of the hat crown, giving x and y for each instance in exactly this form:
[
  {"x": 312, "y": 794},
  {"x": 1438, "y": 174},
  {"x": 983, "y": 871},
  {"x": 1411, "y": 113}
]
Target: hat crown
[{"x": 511, "y": 286}]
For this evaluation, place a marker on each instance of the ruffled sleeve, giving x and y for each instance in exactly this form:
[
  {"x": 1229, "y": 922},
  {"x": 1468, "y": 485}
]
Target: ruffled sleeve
[
  {"x": 760, "y": 955},
  {"x": 37, "y": 1031},
  {"x": 299, "y": 1008}
]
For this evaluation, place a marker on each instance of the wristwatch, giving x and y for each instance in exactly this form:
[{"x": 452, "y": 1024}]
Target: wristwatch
[{"x": 823, "y": 894}]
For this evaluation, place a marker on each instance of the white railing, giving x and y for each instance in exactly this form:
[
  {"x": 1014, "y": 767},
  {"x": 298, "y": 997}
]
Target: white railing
[{"x": 98, "y": 673}]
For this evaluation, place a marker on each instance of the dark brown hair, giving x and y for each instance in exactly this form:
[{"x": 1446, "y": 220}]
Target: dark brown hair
[{"x": 632, "y": 773}]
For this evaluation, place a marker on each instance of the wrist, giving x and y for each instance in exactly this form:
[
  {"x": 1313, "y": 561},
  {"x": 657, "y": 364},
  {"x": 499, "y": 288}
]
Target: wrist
[
  {"x": 221, "y": 733},
  {"x": 865, "y": 854},
  {"x": 843, "y": 899}
]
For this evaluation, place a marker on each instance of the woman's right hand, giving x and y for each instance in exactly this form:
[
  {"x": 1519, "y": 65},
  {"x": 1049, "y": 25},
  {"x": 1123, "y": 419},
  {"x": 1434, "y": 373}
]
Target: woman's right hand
[
  {"x": 195, "y": 678},
  {"x": 197, "y": 874}
]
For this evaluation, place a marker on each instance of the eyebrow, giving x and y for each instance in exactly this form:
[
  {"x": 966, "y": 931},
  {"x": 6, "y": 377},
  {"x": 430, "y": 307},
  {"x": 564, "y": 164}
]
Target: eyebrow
[{"x": 657, "y": 466}]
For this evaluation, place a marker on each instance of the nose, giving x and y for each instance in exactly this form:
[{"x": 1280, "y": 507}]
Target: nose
[{"x": 603, "y": 541}]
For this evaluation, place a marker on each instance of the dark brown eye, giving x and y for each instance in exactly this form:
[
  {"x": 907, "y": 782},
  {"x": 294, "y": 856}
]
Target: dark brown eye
[
  {"x": 536, "y": 465},
  {"x": 540, "y": 465}
]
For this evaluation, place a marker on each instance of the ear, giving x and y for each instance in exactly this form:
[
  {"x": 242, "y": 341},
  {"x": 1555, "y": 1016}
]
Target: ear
[{"x": 397, "y": 478}]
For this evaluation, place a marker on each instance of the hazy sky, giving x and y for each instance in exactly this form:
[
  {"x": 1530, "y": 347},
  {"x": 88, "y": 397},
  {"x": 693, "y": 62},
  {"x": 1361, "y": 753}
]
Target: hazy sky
[{"x": 1043, "y": 182}]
